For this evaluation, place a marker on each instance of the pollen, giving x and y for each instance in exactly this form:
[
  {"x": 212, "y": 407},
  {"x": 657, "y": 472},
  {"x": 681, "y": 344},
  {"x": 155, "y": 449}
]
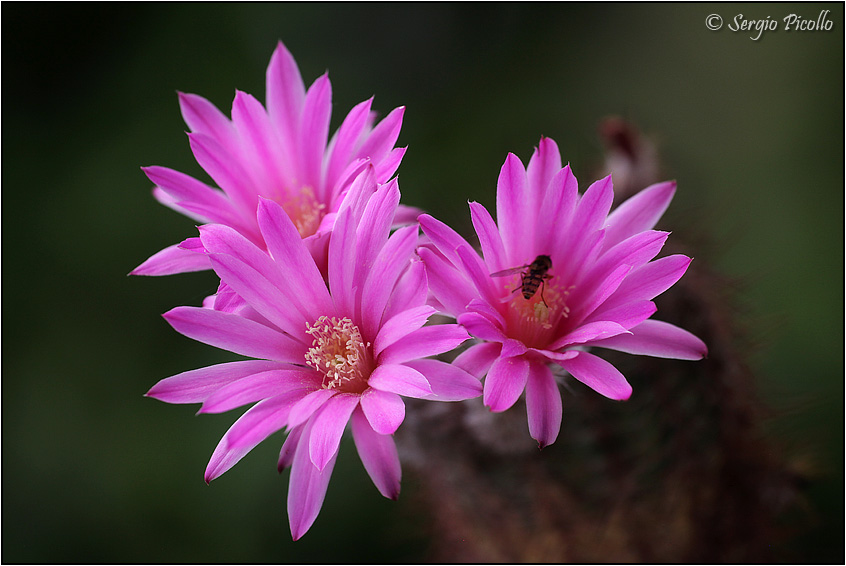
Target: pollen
[
  {"x": 339, "y": 352},
  {"x": 534, "y": 320},
  {"x": 304, "y": 210}
]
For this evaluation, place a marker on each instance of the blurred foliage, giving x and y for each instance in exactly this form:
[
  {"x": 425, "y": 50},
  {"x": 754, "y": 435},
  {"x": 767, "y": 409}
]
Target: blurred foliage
[{"x": 94, "y": 472}]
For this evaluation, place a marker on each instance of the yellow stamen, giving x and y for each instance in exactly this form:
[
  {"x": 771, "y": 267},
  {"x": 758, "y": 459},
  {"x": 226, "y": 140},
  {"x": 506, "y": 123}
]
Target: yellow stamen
[
  {"x": 304, "y": 210},
  {"x": 340, "y": 354}
]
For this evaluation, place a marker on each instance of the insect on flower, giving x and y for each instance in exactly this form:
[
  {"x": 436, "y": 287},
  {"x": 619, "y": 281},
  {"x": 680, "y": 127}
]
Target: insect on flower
[
  {"x": 600, "y": 294},
  {"x": 533, "y": 277}
]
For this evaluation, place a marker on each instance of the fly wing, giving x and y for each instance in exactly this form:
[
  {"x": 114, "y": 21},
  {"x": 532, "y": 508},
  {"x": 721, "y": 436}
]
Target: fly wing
[{"x": 510, "y": 271}]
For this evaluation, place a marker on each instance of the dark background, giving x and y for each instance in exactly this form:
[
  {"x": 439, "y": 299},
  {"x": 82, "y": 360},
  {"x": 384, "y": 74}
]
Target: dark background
[{"x": 94, "y": 472}]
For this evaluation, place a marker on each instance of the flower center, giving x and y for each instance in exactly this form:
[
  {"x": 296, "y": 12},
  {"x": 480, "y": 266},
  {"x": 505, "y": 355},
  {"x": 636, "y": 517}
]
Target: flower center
[
  {"x": 533, "y": 320},
  {"x": 339, "y": 352},
  {"x": 304, "y": 210}
]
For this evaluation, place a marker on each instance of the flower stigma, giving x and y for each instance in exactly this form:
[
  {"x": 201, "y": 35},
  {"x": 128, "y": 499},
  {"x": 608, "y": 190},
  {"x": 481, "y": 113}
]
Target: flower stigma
[
  {"x": 534, "y": 320},
  {"x": 339, "y": 352}
]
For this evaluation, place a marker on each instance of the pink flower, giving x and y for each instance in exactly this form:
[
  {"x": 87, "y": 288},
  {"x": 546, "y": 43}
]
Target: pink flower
[
  {"x": 325, "y": 355},
  {"x": 595, "y": 291},
  {"x": 281, "y": 154}
]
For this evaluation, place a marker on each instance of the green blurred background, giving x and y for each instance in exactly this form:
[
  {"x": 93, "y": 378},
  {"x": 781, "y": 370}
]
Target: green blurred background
[{"x": 94, "y": 472}]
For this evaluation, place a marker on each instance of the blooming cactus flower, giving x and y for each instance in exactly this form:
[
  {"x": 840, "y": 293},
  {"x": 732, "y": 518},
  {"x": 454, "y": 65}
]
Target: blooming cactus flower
[
  {"x": 279, "y": 153},
  {"x": 327, "y": 355},
  {"x": 584, "y": 279}
]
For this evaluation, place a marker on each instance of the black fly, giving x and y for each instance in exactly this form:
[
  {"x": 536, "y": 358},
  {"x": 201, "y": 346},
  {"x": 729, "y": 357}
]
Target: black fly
[{"x": 532, "y": 276}]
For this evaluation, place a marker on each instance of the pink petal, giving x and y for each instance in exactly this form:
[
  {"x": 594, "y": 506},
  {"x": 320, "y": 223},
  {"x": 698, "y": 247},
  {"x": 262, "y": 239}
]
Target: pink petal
[
  {"x": 378, "y": 453},
  {"x": 235, "y": 333},
  {"x": 314, "y": 132},
  {"x": 341, "y": 270},
  {"x": 188, "y": 191},
  {"x": 511, "y": 348},
  {"x": 197, "y": 385},
  {"x": 346, "y": 139},
  {"x": 224, "y": 170},
  {"x": 544, "y": 164},
  {"x": 400, "y": 325},
  {"x": 505, "y": 382},
  {"x": 261, "y": 294},
  {"x": 627, "y": 315},
  {"x": 289, "y": 448},
  {"x": 477, "y": 359},
  {"x": 588, "y": 332},
  {"x": 192, "y": 245},
  {"x": 650, "y": 280},
  {"x": 307, "y": 488},
  {"x": 227, "y": 300},
  {"x": 362, "y": 188},
  {"x": 400, "y": 379},
  {"x": 489, "y": 238},
  {"x": 328, "y": 426},
  {"x": 558, "y": 206},
  {"x": 337, "y": 191},
  {"x": 250, "y": 313},
  {"x": 446, "y": 283},
  {"x": 172, "y": 260},
  {"x": 373, "y": 229},
  {"x": 384, "y": 411},
  {"x": 484, "y": 308},
  {"x": 543, "y": 404},
  {"x": 170, "y": 202},
  {"x": 406, "y": 215},
  {"x": 286, "y": 247},
  {"x": 203, "y": 117},
  {"x": 588, "y": 302},
  {"x": 592, "y": 210},
  {"x": 476, "y": 270},
  {"x": 634, "y": 252},
  {"x": 639, "y": 213},
  {"x": 259, "y": 422},
  {"x": 448, "y": 381},
  {"x": 382, "y": 139},
  {"x": 393, "y": 258},
  {"x": 259, "y": 142},
  {"x": 219, "y": 239},
  {"x": 386, "y": 168},
  {"x": 514, "y": 210},
  {"x": 285, "y": 94},
  {"x": 259, "y": 386},
  {"x": 443, "y": 237},
  {"x": 410, "y": 292},
  {"x": 308, "y": 406},
  {"x": 599, "y": 375},
  {"x": 428, "y": 341},
  {"x": 317, "y": 246},
  {"x": 659, "y": 339},
  {"x": 556, "y": 357},
  {"x": 481, "y": 327},
  {"x": 577, "y": 254}
]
